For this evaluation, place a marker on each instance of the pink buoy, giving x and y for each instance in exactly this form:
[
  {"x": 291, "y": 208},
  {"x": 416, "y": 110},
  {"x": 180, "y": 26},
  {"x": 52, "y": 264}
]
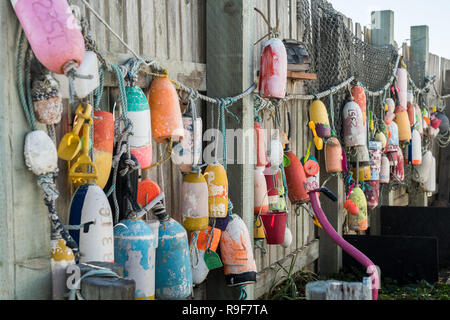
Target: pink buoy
[
  {"x": 273, "y": 71},
  {"x": 52, "y": 31}
]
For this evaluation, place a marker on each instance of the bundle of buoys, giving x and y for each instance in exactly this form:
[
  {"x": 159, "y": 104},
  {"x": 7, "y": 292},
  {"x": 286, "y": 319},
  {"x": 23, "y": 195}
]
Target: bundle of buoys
[{"x": 273, "y": 70}]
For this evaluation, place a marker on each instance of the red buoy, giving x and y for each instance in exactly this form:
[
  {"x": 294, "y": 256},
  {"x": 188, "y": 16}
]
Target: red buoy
[
  {"x": 295, "y": 179},
  {"x": 273, "y": 71}
]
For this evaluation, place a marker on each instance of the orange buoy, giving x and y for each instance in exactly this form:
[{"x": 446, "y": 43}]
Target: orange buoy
[
  {"x": 147, "y": 191},
  {"x": 402, "y": 120},
  {"x": 411, "y": 114},
  {"x": 103, "y": 146},
  {"x": 273, "y": 70},
  {"x": 217, "y": 179},
  {"x": 295, "y": 179},
  {"x": 261, "y": 157},
  {"x": 165, "y": 111}
]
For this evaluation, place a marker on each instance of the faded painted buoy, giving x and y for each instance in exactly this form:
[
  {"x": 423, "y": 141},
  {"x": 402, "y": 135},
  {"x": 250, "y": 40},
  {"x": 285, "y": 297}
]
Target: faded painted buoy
[
  {"x": 237, "y": 253},
  {"x": 47, "y": 102},
  {"x": 90, "y": 207},
  {"x": 165, "y": 111},
  {"x": 404, "y": 128},
  {"x": 194, "y": 202},
  {"x": 394, "y": 141},
  {"x": 173, "y": 279},
  {"x": 295, "y": 180},
  {"x": 333, "y": 156},
  {"x": 359, "y": 96},
  {"x": 184, "y": 154},
  {"x": 261, "y": 200},
  {"x": 430, "y": 183},
  {"x": 358, "y": 222},
  {"x": 372, "y": 193},
  {"x": 135, "y": 249},
  {"x": 139, "y": 115},
  {"x": 217, "y": 179},
  {"x": 272, "y": 185},
  {"x": 390, "y": 114},
  {"x": 422, "y": 172},
  {"x": 402, "y": 80},
  {"x": 353, "y": 125},
  {"x": 40, "y": 153},
  {"x": 61, "y": 257},
  {"x": 103, "y": 146},
  {"x": 416, "y": 148},
  {"x": 273, "y": 70},
  {"x": 52, "y": 31},
  {"x": 147, "y": 191},
  {"x": 287, "y": 238},
  {"x": 385, "y": 170},
  {"x": 319, "y": 115},
  {"x": 312, "y": 174},
  {"x": 261, "y": 156}
]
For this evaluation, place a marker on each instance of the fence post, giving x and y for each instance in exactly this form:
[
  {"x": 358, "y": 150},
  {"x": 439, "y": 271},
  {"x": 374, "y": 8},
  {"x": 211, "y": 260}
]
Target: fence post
[{"x": 229, "y": 57}]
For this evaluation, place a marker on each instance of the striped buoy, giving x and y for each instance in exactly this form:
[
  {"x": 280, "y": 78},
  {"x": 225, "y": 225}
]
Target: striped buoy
[
  {"x": 139, "y": 114},
  {"x": 217, "y": 179},
  {"x": 61, "y": 257},
  {"x": 273, "y": 70},
  {"x": 194, "y": 202},
  {"x": 103, "y": 146}
]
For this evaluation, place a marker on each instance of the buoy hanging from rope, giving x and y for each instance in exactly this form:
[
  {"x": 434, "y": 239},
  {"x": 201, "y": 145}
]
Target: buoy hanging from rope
[
  {"x": 216, "y": 177},
  {"x": 273, "y": 70},
  {"x": 411, "y": 114},
  {"x": 139, "y": 114},
  {"x": 419, "y": 120},
  {"x": 90, "y": 212},
  {"x": 430, "y": 183},
  {"x": 147, "y": 191},
  {"x": 353, "y": 125},
  {"x": 184, "y": 154},
  {"x": 416, "y": 148},
  {"x": 394, "y": 141},
  {"x": 52, "y": 31},
  {"x": 312, "y": 171},
  {"x": 135, "y": 249},
  {"x": 237, "y": 253},
  {"x": 166, "y": 121},
  {"x": 295, "y": 179},
  {"x": 272, "y": 185},
  {"x": 385, "y": 170},
  {"x": 402, "y": 120},
  {"x": 372, "y": 192},
  {"x": 103, "y": 146},
  {"x": 402, "y": 82},
  {"x": 47, "y": 102},
  {"x": 358, "y": 222},
  {"x": 87, "y": 83},
  {"x": 261, "y": 200},
  {"x": 261, "y": 156},
  {"x": 390, "y": 113},
  {"x": 319, "y": 115},
  {"x": 333, "y": 156},
  {"x": 422, "y": 172},
  {"x": 359, "y": 97},
  {"x": 40, "y": 153},
  {"x": 194, "y": 202}
]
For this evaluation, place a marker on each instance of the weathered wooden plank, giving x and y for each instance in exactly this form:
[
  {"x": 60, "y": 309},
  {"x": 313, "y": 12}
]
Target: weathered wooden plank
[
  {"x": 97, "y": 28},
  {"x": 114, "y": 17},
  {"x": 160, "y": 28},
  {"x": 131, "y": 27},
  {"x": 147, "y": 35},
  {"x": 173, "y": 30},
  {"x": 186, "y": 30},
  {"x": 293, "y": 19},
  {"x": 305, "y": 256}
]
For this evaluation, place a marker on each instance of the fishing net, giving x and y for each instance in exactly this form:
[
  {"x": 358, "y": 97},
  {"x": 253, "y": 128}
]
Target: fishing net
[{"x": 337, "y": 54}]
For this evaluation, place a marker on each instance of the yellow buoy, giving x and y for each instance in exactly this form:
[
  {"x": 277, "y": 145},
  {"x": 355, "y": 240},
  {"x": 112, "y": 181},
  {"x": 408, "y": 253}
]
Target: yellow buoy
[
  {"x": 217, "y": 179},
  {"x": 194, "y": 202},
  {"x": 319, "y": 115}
]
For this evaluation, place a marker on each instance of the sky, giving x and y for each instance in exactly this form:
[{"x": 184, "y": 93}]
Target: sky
[{"x": 407, "y": 13}]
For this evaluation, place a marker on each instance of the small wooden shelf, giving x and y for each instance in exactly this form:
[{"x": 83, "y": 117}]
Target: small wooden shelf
[{"x": 296, "y": 75}]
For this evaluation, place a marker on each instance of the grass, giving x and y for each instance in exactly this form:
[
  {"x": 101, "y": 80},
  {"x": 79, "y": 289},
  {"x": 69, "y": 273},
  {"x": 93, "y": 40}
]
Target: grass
[{"x": 293, "y": 286}]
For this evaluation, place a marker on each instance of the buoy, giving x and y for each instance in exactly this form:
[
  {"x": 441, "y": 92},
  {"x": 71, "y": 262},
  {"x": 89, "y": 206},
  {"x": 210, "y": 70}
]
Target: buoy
[
  {"x": 40, "y": 153},
  {"x": 273, "y": 70},
  {"x": 372, "y": 193},
  {"x": 272, "y": 185},
  {"x": 165, "y": 111},
  {"x": 394, "y": 141},
  {"x": 353, "y": 126},
  {"x": 380, "y": 137},
  {"x": 237, "y": 253},
  {"x": 295, "y": 180},
  {"x": 276, "y": 151},
  {"x": 90, "y": 210},
  {"x": 398, "y": 164},
  {"x": 358, "y": 222},
  {"x": 319, "y": 115},
  {"x": 402, "y": 82},
  {"x": 173, "y": 278},
  {"x": 404, "y": 128},
  {"x": 184, "y": 154},
  {"x": 359, "y": 96},
  {"x": 390, "y": 113},
  {"x": 47, "y": 101},
  {"x": 274, "y": 227},
  {"x": 385, "y": 170},
  {"x": 139, "y": 114},
  {"x": 419, "y": 120},
  {"x": 261, "y": 157},
  {"x": 52, "y": 31},
  {"x": 261, "y": 198},
  {"x": 426, "y": 117},
  {"x": 287, "y": 238},
  {"x": 312, "y": 181},
  {"x": 147, "y": 191},
  {"x": 217, "y": 180},
  {"x": 194, "y": 202},
  {"x": 103, "y": 146},
  {"x": 421, "y": 173},
  {"x": 411, "y": 114},
  {"x": 135, "y": 249},
  {"x": 443, "y": 127},
  {"x": 83, "y": 87},
  {"x": 61, "y": 257},
  {"x": 375, "y": 151},
  {"x": 333, "y": 156},
  {"x": 258, "y": 229},
  {"x": 430, "y": 183},
  {"x": 203, "y": 243},
  {"x": 416, "y": 148}
]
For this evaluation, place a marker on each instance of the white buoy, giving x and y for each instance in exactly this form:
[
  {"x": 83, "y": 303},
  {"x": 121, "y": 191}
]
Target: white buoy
[{"x": 40, "y": 153}]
